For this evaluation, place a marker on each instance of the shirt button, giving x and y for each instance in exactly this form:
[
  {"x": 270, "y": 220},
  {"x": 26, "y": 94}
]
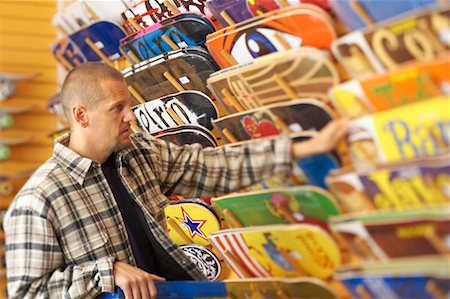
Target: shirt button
[
  {"x": 120, "y": 226},
  {"x": 106, "y": 194},
  {"x": 130, "y": 259},
  {"x": 89, "y": 246}
]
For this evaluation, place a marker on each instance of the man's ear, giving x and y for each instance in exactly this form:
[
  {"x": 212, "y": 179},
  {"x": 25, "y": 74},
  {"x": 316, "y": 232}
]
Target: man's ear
[{"x": 80, "y": 116}]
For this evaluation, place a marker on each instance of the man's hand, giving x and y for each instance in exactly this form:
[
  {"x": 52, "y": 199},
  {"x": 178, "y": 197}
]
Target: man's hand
[
  {"x": 323, "y": 142},
  {"x": 134, "y": 282}
]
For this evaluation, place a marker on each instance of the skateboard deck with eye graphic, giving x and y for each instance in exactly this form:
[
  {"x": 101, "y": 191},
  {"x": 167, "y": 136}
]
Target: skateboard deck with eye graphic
[
  {"x": 399, "y": 134},
  {"x": 363, "y": 13},
  {"x": 242, "y": 10},
  {"x": 147, "y": 13},
  {"x": 426, "y": 278},
  {"x": 411, "y": 184},
  {"x": 288, "y": 117},
  {"x": 181, "y": 31},
  {"x": 389, "y": 235},
  {"x": 188, "y": 134},
  {"x": 296, "y": 73},
  {"x": 412, "y": 82},
  {"x": 384, "y": 47},
  {"x": 175, "y": 71},
  {"x": 304, "y": 204},
  {"x": 278, "y": 251},
  {"x": 271, "y": 32},
  {"x": 187, "y": 107}
]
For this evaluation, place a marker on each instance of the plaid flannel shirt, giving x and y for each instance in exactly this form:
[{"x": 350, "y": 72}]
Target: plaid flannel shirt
[{"x": 64, "y": 230}]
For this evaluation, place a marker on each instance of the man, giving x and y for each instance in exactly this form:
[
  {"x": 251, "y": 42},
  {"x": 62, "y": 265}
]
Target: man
[{"x": 91, "y": 217}]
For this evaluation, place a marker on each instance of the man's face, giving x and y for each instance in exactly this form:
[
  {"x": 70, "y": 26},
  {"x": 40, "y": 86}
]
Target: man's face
[{"x": 109, "y": 121}]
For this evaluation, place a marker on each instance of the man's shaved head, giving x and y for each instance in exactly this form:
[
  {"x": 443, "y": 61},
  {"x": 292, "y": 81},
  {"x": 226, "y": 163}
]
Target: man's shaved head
[{"x": 83, "y": 85}]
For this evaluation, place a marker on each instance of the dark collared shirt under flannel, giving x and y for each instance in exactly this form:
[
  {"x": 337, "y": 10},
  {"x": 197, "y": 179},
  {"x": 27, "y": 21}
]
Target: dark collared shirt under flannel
[{"x": 64, "y": 230}]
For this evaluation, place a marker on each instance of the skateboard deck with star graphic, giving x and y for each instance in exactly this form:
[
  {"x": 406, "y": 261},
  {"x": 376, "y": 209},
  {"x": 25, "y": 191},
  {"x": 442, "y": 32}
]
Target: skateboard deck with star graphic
[
  {"x": 241, "y": 10},
  {"x": 188, "y": 134},
  {"x": 282, "y": 76},
  {"x": 398, "y": 134},
  {"x": 187, "y": 107},
  {"x": 287, "y": 117},
  {"x": 381, "y": 236},
  {"x": 184, "y": 69},
  {"x": 423, "y": 36},
  {"x": 147, "y": 13},
  {"x": 278, "y": 251},
  {"x": 411, "y": 184},
  {"x": 304, "y": 204},
  {"x": 190, "y": 221},
  {"x": 415, "y": 81},
  {"x": 271, "y": 32},
  {"x": 180, "y": 31}
]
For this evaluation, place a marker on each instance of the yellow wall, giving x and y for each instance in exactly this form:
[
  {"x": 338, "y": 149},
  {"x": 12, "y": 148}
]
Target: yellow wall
[{"x": 25, "y": 35}]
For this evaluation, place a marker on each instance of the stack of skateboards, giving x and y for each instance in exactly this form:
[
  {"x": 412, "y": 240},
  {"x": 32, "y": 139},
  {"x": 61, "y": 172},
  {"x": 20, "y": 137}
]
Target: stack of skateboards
[{"x": 369, "y": 219}]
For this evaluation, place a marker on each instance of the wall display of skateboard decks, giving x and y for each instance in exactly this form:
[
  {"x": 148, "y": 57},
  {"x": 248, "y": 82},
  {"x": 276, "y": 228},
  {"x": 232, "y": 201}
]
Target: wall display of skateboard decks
[
  {"x": 398, "y": 134},
  {"x": 419, "y": 278},
  {"x": 8, "y": 83},
  {"x": 412, "y": 82},
  {"x": 272, "y": 32},
  {"x": 230, "y": 12},
  {"x": 362, "y": 13},
  {"x": 180, "y": 31},
  {"x": 411, "y": 184},
  {"x": 146, "y": 13},
  {"x": 184, "y": 69},
  {"x": 383, "y": 47},
  {"x": 186, "y": 107},
  {"x": 296, "y": 73},
  {"x": 288, "y": 117},
  {"x": 268, "y": 288},
  {"x": 188, "y": 134},
  {"x": 80, "y": 14},
  {"x": 389, "y": 235},
  {"x": 304, "y": 204},
  {"x": 97, "y": 42},
  {"x": 278, "y": 251}
]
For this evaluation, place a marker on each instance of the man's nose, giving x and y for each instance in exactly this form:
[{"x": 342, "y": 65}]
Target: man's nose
[{"x": 129, "y": 115}]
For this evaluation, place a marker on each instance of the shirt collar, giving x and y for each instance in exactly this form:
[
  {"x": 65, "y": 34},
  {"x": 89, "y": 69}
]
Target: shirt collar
[{"x": 75, "y": 165}]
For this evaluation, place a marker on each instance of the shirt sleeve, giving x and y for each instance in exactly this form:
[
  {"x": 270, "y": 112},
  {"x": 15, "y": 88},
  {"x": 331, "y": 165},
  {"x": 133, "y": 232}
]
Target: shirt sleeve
[
  {"x": 35, "y": 261},
  {"x": 192, "y": 171}
]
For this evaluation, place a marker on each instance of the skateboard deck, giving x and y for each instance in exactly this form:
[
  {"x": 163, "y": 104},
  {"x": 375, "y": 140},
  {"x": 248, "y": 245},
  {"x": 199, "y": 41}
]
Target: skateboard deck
[
  {"x": 363, "y": 13},
  {"x": 420, "y": 37},
  {"x": 189, "y": 30},
  {"x": 288, "y": 117},
  {"x": 147, "y": 13},
  {"x": 241, "y": 10},
  {"x": 413, "y": 82},
  {"x": 278, "y": 251},
  {"x": 171, "y": 73},
  {"x": 296, "y": 73},
  {"x": 191, "y": 221},
  {"x": 271, "y": 32},
  {"x": 304, "y": 204},
  {"x": 288, "y": 288},
  {"x": 6, "y": 186},
  {"x": 67, "y": 53},
  {"x": 8, "y": 83},
  {"x": 411, "y": 184},
  {"x": 187, "y": 107},
  {"x": 205, "y": 259},
  {"x": 188, "y": 134},
  {"x": 424, "y": 278},
  {"x": 397, "y": 134},
  {"x": 104, "y": 36},
  {"x": 388, "y": 235}
]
